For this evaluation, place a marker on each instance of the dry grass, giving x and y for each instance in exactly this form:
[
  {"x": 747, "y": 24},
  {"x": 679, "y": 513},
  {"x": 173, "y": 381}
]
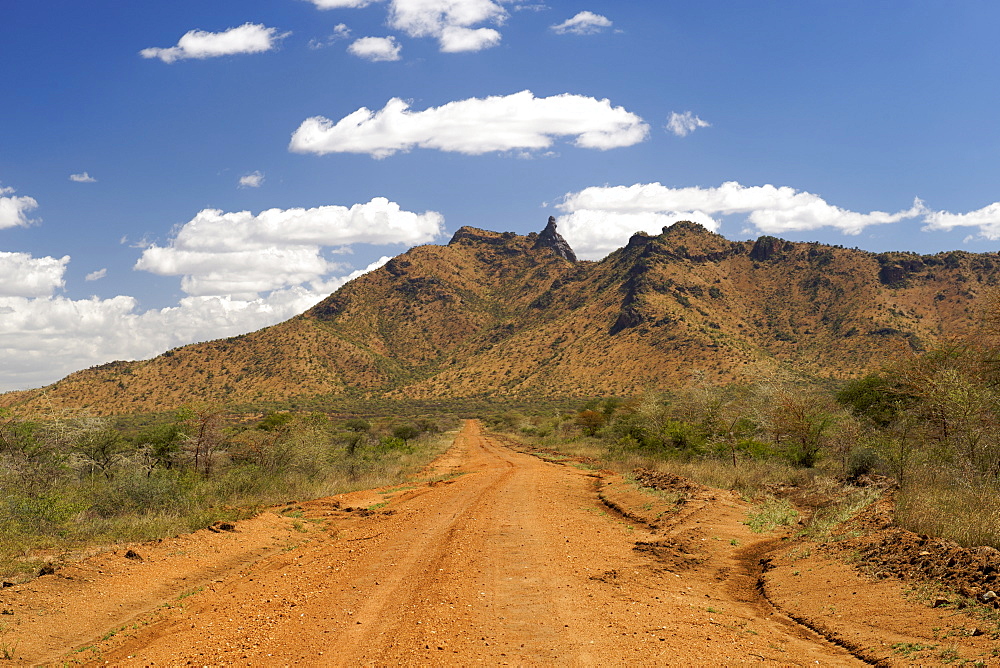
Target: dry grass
[{"x": 968, "y": 516}]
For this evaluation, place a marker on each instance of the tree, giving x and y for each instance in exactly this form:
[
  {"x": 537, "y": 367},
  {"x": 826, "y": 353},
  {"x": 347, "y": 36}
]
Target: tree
[
  {"x": 590, "y": 421},
  {"x": 101, "y": 449},
  {"x": 205, "y": 435},
  {"x": 358, "y": 425},
  {"x": 163, "y": 444},
  {"x": 802, "y": 422},
  {"x": 406, "y": 433}
]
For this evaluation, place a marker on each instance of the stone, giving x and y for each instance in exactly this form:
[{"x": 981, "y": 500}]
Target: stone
[{"x": 550, "y": 238}]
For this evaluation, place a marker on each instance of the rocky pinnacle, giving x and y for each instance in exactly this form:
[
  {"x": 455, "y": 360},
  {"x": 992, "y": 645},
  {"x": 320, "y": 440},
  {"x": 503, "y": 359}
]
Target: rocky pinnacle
[{"x": 550, "y": 238}]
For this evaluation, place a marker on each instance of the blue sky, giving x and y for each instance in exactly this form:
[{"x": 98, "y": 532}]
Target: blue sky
[{"x": 179, "y": 171}]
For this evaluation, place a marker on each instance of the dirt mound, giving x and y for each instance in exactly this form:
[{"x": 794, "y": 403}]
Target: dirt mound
[
  {"x": 667, "y": 482},
  {"x": 885, "y": 550},
  {"x": 677, "y": 555}
]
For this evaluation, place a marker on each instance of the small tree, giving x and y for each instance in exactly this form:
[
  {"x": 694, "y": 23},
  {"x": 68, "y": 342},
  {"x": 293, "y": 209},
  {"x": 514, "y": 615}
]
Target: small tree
[
  {"x": 406, "y": 433},
  {"x": 802, "y": 423},
  {"x": 205, "y": 435},
  {"x": 590, "y": 421},
  {"x": 101, "y": 449}
]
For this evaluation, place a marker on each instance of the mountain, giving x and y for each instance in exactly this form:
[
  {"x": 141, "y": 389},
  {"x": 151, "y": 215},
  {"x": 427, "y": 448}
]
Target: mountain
[{"x": 500, "y": 314}]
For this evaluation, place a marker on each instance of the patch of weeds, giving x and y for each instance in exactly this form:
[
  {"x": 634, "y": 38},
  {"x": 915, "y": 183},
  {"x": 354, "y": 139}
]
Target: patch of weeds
[
  {"x": 376, "y": 506},
  {"x": 712, "y": 610},
  {"x": 949, "y": 655},
  {"x": 823, "y": 521},
  {"x": 298, "y": 526},
  {"x": 8, "y": 652},
  {"x": 800, "y": 552},
  {"x": 734, "y": 542},
  {"x": 189, "y": 593},
  {"x": 771, "y": 514},
  {"x": 293, "y": 513},
  {"x": 983, "y": 612},
  {"x": 909, "y": 648}
]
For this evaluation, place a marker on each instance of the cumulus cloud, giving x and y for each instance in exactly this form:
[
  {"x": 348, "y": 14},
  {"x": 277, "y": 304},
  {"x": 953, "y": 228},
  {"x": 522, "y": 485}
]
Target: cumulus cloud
[
  {"x": 455, "y": 39},
  {"x": 96, "y": 275},
  {"x": 82, "y": 178},
  {"x": 13, "y": 211},
  {"x": 247, "y": 38},
  {"x": 27, "y": 276},
  {"x": 684, "y": 124},
  {"x": 986, "y": 219},
  {"x": 456, "y": 24},
  {"x": 254, "y": 179},
  {"x": 473, "y": 126},
  {"x": 598, "y": 220},
  {"x": 451, "y": 22},
  {"x": 242, "y": 254},
  {"x": 584, "y": 23},
  {"x": 376, "y": 49},
  {"x": 44, "y": 339}
]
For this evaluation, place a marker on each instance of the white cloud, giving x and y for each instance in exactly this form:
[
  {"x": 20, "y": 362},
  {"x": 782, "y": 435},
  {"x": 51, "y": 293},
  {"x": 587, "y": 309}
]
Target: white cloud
[
  {"x": 601, "y": 219},
  {"x": 376, "y": 49},
  {"x": 82, "y": 178},
  {"x": 96, "y": 275},
  {"x": 473, "y": 126},
  {"x": 27, "y": 276},
  {"x": 456, "y": 24},
  {"x": 451, "y": 22},
  {"x": 247, "y": 38},
  {"x": 13, "y": 210},
  {"x": 340, "y": 31},
  {"x": 44, "y": 339},
  {"x": 455, "y": 39},
  {"x": 684, "y": 124},
  {"x": 241, "y": 255},
  {"x": 254, "y": 179},
  {"x": 584, "y": 23},
  {"x": 986, "y": 219}
]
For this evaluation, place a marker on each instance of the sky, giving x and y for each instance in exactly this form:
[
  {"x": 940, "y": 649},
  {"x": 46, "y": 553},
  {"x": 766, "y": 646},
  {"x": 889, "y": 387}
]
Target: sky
[{"x": 180, "y": 171}]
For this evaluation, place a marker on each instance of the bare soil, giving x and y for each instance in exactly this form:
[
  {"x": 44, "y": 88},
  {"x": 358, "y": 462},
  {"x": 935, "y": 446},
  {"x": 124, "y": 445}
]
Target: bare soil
[{"x": 495, "y": 557}]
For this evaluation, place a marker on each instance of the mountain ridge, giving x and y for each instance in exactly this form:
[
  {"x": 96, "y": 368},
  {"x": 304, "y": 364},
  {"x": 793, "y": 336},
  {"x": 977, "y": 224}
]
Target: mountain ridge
[{"x": 508, "y": 315}]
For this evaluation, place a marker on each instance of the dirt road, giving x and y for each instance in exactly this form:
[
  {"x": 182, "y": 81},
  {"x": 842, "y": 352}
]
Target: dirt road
[
  {"x": 508, "y": 560},
  {"x": 495, "y": 557}
]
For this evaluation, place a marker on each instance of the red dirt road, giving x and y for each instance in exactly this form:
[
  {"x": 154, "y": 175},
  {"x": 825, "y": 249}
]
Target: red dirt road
[{"x": 514, "y": 561}]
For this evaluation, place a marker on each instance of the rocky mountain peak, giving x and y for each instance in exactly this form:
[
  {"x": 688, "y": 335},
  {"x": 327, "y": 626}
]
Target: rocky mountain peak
[{"x": 550, "y": 238}]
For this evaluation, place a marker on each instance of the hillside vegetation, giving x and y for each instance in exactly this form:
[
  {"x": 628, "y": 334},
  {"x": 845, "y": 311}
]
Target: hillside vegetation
[{"x": 504, "y": 315}]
